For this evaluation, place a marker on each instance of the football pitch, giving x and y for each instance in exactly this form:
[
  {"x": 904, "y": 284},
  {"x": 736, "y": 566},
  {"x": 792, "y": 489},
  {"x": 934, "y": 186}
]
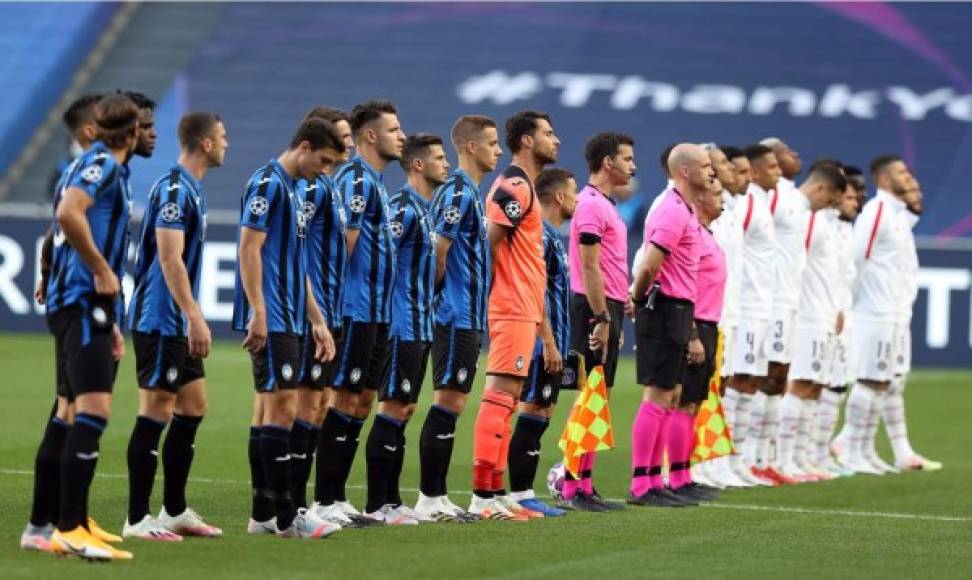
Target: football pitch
[{"x": 883, "y": 527}]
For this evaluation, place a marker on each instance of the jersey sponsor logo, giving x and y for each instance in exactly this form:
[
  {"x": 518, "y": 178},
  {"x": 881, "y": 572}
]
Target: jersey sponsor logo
[
  {"x": 452, "y": 215},
  {"x": 259, "y": 205},
  {"x": 172, "y": 375},
  {"x": 286, "y": 371},
  {"x": 357, "y": 204},
  {"x": 170, "y": 212}
]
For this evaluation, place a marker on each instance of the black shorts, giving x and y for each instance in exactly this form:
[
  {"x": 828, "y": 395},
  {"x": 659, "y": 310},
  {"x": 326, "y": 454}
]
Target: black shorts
[
  {"x": 661, "y": 337},
  {"x": 696, "y": 378},
  {"x": 277, "y": 367},
  {"x": 405, "y": 371},
  {"x": 455, "y": 357},
  {"x": 363, "y": 356},
  {"x": 83, "y": 345},
  {"x": 164, "y": 362},
  {"x": 580, "y": 332},
  {"x": 541, "y": 388},
  {"x": 315, "y": 374}
]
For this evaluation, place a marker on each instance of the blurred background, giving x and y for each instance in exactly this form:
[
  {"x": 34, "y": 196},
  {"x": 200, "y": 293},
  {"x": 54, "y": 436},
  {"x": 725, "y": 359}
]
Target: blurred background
[{"x": 842, "y": 80}]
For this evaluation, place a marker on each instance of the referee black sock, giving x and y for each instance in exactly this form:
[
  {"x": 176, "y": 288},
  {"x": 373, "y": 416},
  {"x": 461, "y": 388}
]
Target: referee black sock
[
  {"x": 348, "y": 450},
  {"x": 330, "y": 443},
  {"x": 262, "y": 507},
  {"x": 77, "y": 468},
  {"x": 47, "y": 473},
  {"x": 381, "y": 455},
  {"x": 143, "y": 461},
  {"x": 394, "y": 478},
  {"x": 525, "y": 450},
  {"x": 177, "y": 454},
  {"x": 435, "y": 450},
  {"x": 300, "y": 460},
  {"x": 275, "y": 457}
]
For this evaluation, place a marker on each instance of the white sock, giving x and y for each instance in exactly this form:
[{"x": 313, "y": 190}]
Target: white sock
[
  {"x": 757, "y": 413},
  {"x": 743, "y": 421},
  {"x": 895, "y": 423},
  {"x": 859, "y": 405},
  {"x": 790, "y": 409},
  {"x": 828, "y": 409},
  {"x": 729, "y": 401},
  {"x": 873, "y": 422},
  {"x": 522, "y": 495},
  {"x": 804, "y": 441}
]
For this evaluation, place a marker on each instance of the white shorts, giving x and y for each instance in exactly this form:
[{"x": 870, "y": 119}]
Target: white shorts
[
  {"x": 873, "y": 350},
  {"x": 748, "y": 352},
  {"x": 902, "y": 349},
  {"x": 779, "y": 338},
  {"x": 813, "y": 350},
  {"x": 840, "y": 374},
  {"x": 728, "y": 346}
]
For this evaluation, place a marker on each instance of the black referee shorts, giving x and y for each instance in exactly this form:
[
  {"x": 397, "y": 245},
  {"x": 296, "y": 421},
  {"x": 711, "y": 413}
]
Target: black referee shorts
[
  {"x": 695, "y": 378},
  {"x": 580, "y": 332},
  {"x": 661, "y": 336}
]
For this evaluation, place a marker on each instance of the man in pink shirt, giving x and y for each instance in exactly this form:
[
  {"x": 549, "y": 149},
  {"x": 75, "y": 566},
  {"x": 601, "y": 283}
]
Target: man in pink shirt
[
  {"x": 664, "y": 293},
  {"x": 598, "y": 254}
]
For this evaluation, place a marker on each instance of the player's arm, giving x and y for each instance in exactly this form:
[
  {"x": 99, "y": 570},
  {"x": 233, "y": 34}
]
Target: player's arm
[
  {"x": 651, "y": 262},
  {"x": 553, "y": 360},
  {"x": 46, "y": 259},
  {"x": 171, "y": 242},
  {"x": 323, "y": 341},
  {"x": 73, "y": 221},
  {"x": 496, "y": 233},
  {"x": 356, "y": 194},
  {"x": 441, "y": 255},
  {"x": 449, "y": 214},
  {"x": 251, "y": 275}
]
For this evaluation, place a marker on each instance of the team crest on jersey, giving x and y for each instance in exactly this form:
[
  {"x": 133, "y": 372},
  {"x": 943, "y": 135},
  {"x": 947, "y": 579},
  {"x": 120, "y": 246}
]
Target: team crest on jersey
[
  {"x": 406, "y": 386},
  {"x": 546, "y": 392},
  {"x": 357, "y": 204},
  {"x": 172, "y": 375},
  {"x": 287, "y": 371},
  {"x": 301, "y": 224},
  {"x": 452, "y": 215},
  {"x": 461, "y": 376},
  {"x": 91, "y": 173},
  {"x": 778, "y": 346},
  {"x": 170, "y": 212},
  {"x": 512, "y": 209},
  {"x": 355, "y": 376},
  {"x": 520, "y": 362},
  {"x": 396, "y": 229},
  {"x": 567, "y": 377},
  {"x": 316, "y": 371},
  {"x": 259, "y": 205}
]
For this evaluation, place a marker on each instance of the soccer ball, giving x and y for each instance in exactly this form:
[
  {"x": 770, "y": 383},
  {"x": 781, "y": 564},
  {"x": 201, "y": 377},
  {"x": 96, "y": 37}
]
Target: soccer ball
[{"x": 555, "y": 481}]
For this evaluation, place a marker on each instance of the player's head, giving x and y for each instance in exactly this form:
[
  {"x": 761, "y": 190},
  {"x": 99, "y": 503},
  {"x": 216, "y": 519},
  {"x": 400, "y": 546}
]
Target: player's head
[
  {"x": 913, "y": 196},
  {"x": 116, "y": 122},
  {"x": 889, "y": 172},
  {"x": 424, "y": 158},
  {"x": 556, "y": 188},
  {"x": 690, "y": 168},
  {"x": 663, "y": 159},
  {"x": 825, "y": 185},
  {"x": 146, "y": 123},
  {"x": 708, "y": 204},
  {"x": 79, "y": 119},
  {"x": 611, "y": 155},
  {"x": 475, "y": 137},
  {"x": 720, "y": 164},
  {"x": 340, "y": 120},
  {"x": 203, "y": 132},
  {"x": 375, "y": 127},
  {"x": 530, "y": 132},
  {"x": 317, "y": 145},
  {"x": 790, "y": 162},
  {"x": 855, "y": 177},
  {"x": 741, "y": 169},
  {"x": 850, "y": 204},
  {"x": 764, "y": 166}
]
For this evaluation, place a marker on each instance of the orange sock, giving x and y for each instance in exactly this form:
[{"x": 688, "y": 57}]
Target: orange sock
[
  {"x": 489, "y": 432},
  {"x": 504, "y": 455}
]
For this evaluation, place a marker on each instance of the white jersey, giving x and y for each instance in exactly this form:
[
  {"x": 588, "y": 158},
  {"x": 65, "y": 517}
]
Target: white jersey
[
  {"x": 846, "y": 272},
  {"x": 879, "y": 245},
  {"x": 819, "y": 284},
  {"x": 791, "y": 216},
  {"x": 728, "y": 233},
  {"x": 909, "y": 268},
  {"x": 759, "y": 251}
]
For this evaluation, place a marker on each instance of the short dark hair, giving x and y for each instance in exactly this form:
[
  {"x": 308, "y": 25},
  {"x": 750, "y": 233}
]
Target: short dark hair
[
  {"x": 604, "y": 145},
  {"x": 825, "y": 161},
  {"x": 364, "y": 113},
  {"x": 80, "y": 111},
  {"x": 732, "y": 152},
  {"x": 855, "y": 177},
  {"x": 141, "y": 100},
  {"x": 194, "y": 127},
  {"x": 880, "y": 163},
  {"x": 327, "y": 113},
  {"x": 319, "y": 133},
  {"x": 417, "y": 146},
  {"x": 468, "y": 127},
  {"x": 116, "y": 117},
  {"x": 520, "y": 124},
  {"x": 754, "y": 152},
  {"x": 549, "y": 181},
  {"x": 829, "y": 172}
]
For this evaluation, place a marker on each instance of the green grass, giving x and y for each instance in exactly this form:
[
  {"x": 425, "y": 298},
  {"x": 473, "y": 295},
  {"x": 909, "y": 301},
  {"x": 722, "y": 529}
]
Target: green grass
[{"x": 905, "y": 525}]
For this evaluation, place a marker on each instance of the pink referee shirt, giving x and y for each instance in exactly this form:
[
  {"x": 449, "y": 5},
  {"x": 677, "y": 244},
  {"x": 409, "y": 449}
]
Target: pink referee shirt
[
  {"x": 596, "y": 217},
  {"x": 674, "y": 229},
  {"x": 711, "y": 279}
]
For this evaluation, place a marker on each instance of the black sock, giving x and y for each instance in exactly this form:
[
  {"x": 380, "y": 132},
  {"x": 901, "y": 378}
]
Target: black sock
[
  {"x": 262, "y": 507},
  {"x": 143, "y": 461},
  {"x": 435, "y": 450},
  {"x": 381, "y": 454},
  {"x": 47, "y": 473},
  {"x": 275, "y": 457},
  {"x": 77, "y": 469},
  {"x": 525, "y": 450},
  {"x": 330, "y": 443},
  {"x": 177, "y": 453},
  {"x": 300, "y": 461},
  {"x": 395, "y": 476},
  {"x": 348, "y": 450}
]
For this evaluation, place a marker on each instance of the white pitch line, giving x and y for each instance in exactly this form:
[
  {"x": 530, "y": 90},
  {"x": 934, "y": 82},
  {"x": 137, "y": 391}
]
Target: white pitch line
[{"x": 734, "y": 506}]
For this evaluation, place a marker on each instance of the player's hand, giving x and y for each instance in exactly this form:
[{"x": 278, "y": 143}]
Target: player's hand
[
  {"x": 117, "y": 343},
  {"x": 40, "y": 293},
  {"x": 256, "y": 334},
  {"x": 106, "y": 283},
  {"x": 599, "y": 338},
  {"x": 629, "y": 307},
  {"x": 323, "y": 342},
  {"x": 553, "y": 361},
  {"x": 840, "y": 322},
  {"x": 200, "y": 337},
  {"x": 696, "y": 352}
]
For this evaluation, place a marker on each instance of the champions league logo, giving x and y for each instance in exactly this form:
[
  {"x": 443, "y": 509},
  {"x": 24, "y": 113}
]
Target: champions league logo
[
  {"x": 452, "y": 215},
  {"x": 91, "y": 174},
  {"x": 170, "y": 212},
  {"x": 357, "y": 203},
  {"x": 259, "y": 205},
  {"x": 512, "y": 209}
]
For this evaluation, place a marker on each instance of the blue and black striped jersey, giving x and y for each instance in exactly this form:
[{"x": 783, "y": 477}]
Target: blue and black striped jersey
[
  {"x": 371, "y": 265},
  {"x": 458, "y": 214},
  {"x": 326, "y": 246},
  {"x": 415, "y": 244},
  {"x": 558, "y": 287},
  {"x": 99, "y": 175},
  {"x": 176, "y": 201},
  {"x": 272, "y": 204}
]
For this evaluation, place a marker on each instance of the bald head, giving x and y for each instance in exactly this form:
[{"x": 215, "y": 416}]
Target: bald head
[{"x": 690, "y": 168}]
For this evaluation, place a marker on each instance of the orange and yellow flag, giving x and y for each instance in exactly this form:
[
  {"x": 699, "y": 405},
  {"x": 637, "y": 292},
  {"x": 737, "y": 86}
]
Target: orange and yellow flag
[
  {"x": 589, "y": 425},
  {"x": 712, "y": 436}
]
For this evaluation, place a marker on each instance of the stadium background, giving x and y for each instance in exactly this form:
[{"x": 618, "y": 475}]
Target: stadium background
[{"x": 844, "y": 80}]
